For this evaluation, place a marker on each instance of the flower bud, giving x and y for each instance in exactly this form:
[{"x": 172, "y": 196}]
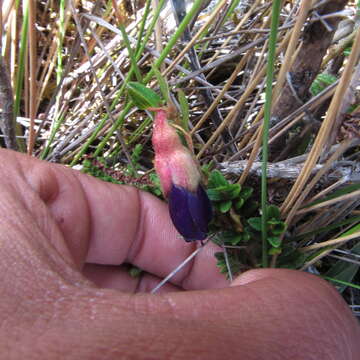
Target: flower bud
[{"x": 189, "y": 206}]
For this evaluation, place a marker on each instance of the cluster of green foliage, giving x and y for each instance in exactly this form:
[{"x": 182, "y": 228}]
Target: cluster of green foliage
[
  {"x": 275, "y": 227},
  {"x": 88, "y": 167},
  {"x": 102, "y": 169},
  {"x": 235, "y": 226}
]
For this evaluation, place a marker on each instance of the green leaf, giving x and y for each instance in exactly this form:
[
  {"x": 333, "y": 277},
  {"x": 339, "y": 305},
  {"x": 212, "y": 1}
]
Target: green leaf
[
  {"x": 344, "y": 283},
  {"x": 275, "y": 251},
  {"x": 321, "y": 82},
  {"x": 234, "y": 263},
  {"x": 344, "y": 271},
  {"x": 246, "y": 192},
  {"x": 225, "y": 192},
  {"x": 142, "y": 96},
  {"x": 225, "y": 206},
  {"x": 219, "y": 255},
  {"x": 206, "y": 169},
  {"x": 273, "y": 212},
  {"x": 216, "y": 179},
  {"x": 156, "y": 188},
  {"x": 275, "y": 241},
  {"x": 135, "y": 158},
  {"x": 291, "y": 257},
  {"x": 164, "y": 88},
  {"x": 255, "y": 223},
  {"x": 239, "y": 203},
  {"x": 230, "y": 237},
  {"x": 324, "y": 229},
  {"x": 184, "y": 107},
  {"x": 276, "y": 227},
  {"x": 347, "y": 51},
  {"x": 245, "y": 236}
]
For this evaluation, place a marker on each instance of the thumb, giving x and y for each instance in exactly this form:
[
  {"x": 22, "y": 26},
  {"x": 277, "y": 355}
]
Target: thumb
[
  {"x": 311, "y": 309},
  {"x": 266, "y": 314}
]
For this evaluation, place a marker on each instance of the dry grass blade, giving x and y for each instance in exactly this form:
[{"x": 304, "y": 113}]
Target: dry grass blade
[
  {"x": 325, "y": 128},
  {"x": 222, "y": 93},
  {"x": 7, "y": 123},
  {"x": 329, "y": 202},
  {"x": 333, "y": 242},
  {"x": 194, "y": 38},
  {"x": 316, "y": 178},
  {"x": 290, "y": 55},
  {"x": 107, "y": 106},
  {"x": 349, "y": 99}
]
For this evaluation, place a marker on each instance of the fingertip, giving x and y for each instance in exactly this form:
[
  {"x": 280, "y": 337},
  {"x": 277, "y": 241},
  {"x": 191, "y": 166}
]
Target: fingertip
[
  {"x": 251, "y": 276},
  {"x": 310, "y": 295}
]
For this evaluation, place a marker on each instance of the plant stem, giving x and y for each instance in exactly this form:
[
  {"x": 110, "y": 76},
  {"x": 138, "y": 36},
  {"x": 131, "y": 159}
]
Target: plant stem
[
  {"x": 60, "y": 40},
  {"x": 142, "y": 26},
  {"x": 132, "y": 57},
  {"x": 276, "y": 7},
  {"x": 129, "y": 105},
  {"x": 148, "y": 77},
  {"x": 22, "y": 55}
]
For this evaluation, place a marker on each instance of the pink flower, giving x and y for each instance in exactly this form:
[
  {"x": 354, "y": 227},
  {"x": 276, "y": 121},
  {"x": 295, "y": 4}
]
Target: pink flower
[{"x": 189, "y": 206}]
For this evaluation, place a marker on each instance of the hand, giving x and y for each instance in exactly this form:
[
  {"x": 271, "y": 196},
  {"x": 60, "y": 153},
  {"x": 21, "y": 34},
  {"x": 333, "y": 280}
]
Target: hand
[{"x": 63, "y": 236}]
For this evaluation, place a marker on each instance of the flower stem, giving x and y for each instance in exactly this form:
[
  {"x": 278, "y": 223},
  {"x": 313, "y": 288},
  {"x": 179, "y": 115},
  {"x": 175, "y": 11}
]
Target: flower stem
[{"x": 275, "y": 13}]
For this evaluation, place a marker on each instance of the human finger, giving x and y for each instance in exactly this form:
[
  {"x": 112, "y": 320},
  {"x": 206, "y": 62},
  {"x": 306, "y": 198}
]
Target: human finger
[
  {"x": 119, "y": 278},
  {"x": 280, "y": 314},
  {"x": 104, "y": 223}
]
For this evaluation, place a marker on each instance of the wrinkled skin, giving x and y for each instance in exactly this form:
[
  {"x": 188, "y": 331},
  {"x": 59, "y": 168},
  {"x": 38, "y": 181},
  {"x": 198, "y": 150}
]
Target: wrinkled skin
[{"x": 62, "y": 232}]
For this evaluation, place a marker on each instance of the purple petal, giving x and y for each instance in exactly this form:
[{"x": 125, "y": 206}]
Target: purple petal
[
  {"x": 190, "y": 212},
  {"x": 200, "y": 209}
]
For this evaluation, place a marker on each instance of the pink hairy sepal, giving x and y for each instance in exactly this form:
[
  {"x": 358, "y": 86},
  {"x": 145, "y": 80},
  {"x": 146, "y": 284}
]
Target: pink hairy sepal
[{"x": 174, "y": 163}]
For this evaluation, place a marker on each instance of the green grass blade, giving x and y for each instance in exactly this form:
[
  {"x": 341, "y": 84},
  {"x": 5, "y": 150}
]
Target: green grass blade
[
  {"x": 149, "y": 76},
  {"x": 275, "y": 14},
  {"x": 353, "y": 220},
  {"x": 180, "y": 30},
  {"x": 142, "y": 26},
  {"x": 345, "y": 283},
  {"x": 344, "y": 271},
  {"x": 60, "y": 39},
  {"x": 121, "y": 91},
  {"x": 185, "y": 111},
  {"x": 133, "y": 60},
  {"x": 22, "y": 59},
  {"x": 340, "y": 192}
]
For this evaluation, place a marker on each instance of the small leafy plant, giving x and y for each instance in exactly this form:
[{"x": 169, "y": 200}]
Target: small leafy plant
[
  {"x": 237, "y": 230},
  {"x": 100, "y": 169},
  {"x": 275, "y": 228}
]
